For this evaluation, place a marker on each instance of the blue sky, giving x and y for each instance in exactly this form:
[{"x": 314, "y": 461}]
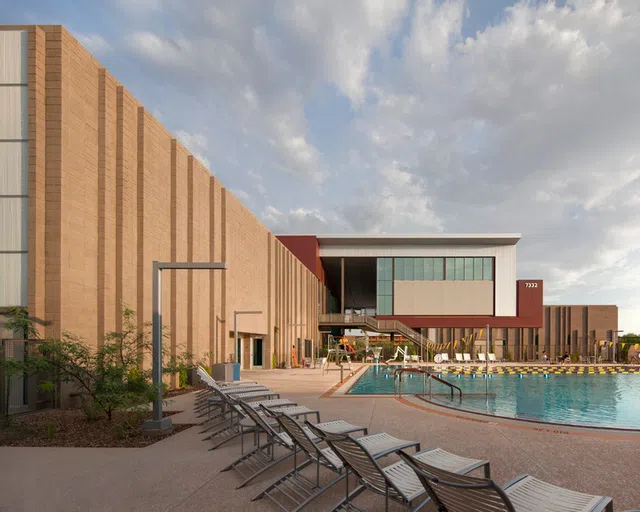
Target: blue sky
[{"x": 408, "y": 116}]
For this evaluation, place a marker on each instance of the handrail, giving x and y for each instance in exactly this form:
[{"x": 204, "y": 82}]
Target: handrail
[
  {"x": 376, "y": 325},
  {"x": 398, "y": 373}
]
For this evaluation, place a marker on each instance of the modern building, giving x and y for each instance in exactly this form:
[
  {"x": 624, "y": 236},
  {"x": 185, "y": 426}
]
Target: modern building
[
  {"x": 450, "y": 288},
  {"x": 93, "y": 190}
]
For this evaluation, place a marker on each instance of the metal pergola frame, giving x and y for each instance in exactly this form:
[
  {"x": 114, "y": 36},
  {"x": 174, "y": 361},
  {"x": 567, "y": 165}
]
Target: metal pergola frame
[{"x": 158, "y": 424}]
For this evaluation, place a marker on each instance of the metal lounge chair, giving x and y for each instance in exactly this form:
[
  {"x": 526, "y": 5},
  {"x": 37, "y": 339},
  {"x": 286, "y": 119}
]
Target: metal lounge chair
[
  {"x": 482, "y": 357},
  {"x": 396, "y": 482},
  {"x": 246, "y": 393},
  {"x": 297, "y": 490},
  {"x": 262, "y": 458},
  {"x": 230, "y": 427},
  {"x": 209, "y": 400},
  {"x": 453, "y": 492},
  {"x": 459, "y": 358},
  {"x": 467, "y": 357}
]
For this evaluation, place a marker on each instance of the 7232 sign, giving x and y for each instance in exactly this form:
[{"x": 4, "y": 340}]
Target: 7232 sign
[{"x": 530, "y": 285}]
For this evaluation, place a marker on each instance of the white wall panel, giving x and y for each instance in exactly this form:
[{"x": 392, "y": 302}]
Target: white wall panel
[
  {"x": 13, "y": 270},
  {"x": 13, "y": 113},
  {"x": 13, "y": 224},
  {"x": 13, "y": 56},
  {"x": 14, "y": 168}
]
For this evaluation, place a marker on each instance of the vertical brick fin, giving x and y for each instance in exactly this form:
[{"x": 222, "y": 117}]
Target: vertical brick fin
[
  {"x": 119, "y": 203},
  {"x": 173, "y": 317},
  {"x": 267, "y": 345},
  {"x": 140, "y": 239},
  {"x": 190, "y": 316},
  {"x": 224, "y": 338},
  {"x": 57, "y": 61},
  {"x": 102, "y": 141},
  {"x": 213, "y": 356},
  {"x": 37, "y": 177}
]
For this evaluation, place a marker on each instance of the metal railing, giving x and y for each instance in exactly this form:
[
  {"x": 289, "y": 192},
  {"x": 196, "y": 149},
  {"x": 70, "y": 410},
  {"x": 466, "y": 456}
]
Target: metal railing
[
  {"x": 397, "y": 376},
  {"x": 22, "y": 391},
  {"x": 375, "y": 325}
]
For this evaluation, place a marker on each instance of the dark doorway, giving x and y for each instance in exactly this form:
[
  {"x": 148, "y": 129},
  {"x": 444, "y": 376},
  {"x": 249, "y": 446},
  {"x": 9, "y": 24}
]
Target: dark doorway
[
  {"x": 257, "y": 352},
  {"x": 239, "y": 350}
]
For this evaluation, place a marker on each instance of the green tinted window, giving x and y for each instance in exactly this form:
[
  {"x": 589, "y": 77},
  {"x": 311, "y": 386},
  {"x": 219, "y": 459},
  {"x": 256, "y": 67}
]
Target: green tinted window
[
  {"x": 418, "y": 268},
  {"x": 451, "y": 269},
  {"x": 399, "y": 274},
  {"x": 487, "y": 269},
  {"x": 459, "y": 272},
  {"x": 468, "y": 269},
  {"x": 408, "y": 269},
  {"x": 428, "y": 269},
  {"x": 438, "y": 269},
  {"x": 477, "y": 269},
  {"x": 388, "y": 264}
]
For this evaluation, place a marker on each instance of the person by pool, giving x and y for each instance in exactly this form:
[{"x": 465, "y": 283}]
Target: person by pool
[{"x": 545, "y": 358}]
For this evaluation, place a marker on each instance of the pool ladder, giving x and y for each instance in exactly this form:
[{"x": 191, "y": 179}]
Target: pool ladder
[{"x": 426, "y": 374}]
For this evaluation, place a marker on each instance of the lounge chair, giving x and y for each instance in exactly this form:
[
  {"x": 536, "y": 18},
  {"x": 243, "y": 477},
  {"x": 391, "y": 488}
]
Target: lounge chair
[
  {"x": 232, "y": 415},
  {"x": 453, "y": 492},
  {"x": 377, "y": 445},
  {"x": 467, "y": 357},
  {"x": 445, "y": 357},
  {"x": 209, "y": 400},
  {"x": 492, "y": 358},
  {"x": 482, "y": 357},
  {"x": 396, "y": 482},
  {"x": 459, "y": 358},
  {"x": 259, "y": 460}
]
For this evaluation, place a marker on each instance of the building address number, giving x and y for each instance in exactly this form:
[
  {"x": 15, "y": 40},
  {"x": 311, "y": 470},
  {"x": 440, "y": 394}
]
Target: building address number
[{"x": 531, "y": 285}]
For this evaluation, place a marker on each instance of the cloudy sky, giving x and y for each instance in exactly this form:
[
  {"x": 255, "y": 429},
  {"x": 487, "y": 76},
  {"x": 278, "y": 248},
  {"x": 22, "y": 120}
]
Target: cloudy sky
[{"x": 416, "y": 116}]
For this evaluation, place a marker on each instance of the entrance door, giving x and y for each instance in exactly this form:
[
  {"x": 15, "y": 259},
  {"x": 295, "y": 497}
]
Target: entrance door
[
  {"x": 257, "y": 352},
  {"x": 239, "y": 350}
]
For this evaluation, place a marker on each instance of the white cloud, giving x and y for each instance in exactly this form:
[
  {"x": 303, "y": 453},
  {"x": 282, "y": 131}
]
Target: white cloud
[
  {"x": 242, "y": 195},
  {"x": 300, "y": 220},
  {"x": 95, "y": 43},
  {"x": 529, "y": 124},
  {"x": 196, "y": 143}
]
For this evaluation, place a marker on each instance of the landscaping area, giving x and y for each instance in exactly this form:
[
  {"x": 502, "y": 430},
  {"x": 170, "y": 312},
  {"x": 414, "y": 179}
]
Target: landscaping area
[
  {"x": 92, "y": 397},
  {"x": 70, "y": 427}
]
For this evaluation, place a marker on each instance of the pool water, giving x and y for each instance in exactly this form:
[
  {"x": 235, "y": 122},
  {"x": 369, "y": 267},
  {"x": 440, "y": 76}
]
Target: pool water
[{"x": 587, "y": 400}]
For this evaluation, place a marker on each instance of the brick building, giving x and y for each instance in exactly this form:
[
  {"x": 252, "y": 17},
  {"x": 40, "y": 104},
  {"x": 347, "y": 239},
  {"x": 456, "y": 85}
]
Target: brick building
[{"x": 94, "y": 189}]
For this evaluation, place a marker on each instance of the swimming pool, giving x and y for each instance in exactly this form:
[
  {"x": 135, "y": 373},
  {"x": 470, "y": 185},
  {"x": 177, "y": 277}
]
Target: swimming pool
[{"x": 611, "y": 401}]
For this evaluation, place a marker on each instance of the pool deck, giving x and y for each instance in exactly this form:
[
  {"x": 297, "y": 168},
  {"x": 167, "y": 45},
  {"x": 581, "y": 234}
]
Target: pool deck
[{"x": 179, "y": 474}]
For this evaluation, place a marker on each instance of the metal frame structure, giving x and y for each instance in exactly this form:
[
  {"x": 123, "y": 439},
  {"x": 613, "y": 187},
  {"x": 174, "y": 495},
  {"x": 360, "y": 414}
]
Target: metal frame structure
[{"x": 158, "y": 424}]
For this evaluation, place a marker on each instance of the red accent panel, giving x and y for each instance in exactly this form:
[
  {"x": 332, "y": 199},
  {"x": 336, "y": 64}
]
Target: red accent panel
[
  {"x": 529, "y": 309},
  {"x": 307, "y": 250},
  {"x": 529, "y": 297}
]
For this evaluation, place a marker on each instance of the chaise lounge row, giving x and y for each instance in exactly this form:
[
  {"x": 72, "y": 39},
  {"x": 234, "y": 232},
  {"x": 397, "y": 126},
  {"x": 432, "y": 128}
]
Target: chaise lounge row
[{"x": 235, "y": 409}]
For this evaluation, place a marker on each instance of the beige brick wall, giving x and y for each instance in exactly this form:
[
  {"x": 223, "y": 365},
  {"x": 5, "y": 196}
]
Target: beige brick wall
[{"x": 110, "y": 190}]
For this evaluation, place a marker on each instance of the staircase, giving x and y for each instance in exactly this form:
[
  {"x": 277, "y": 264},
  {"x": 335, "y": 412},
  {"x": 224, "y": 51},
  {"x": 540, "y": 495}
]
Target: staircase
[{"x": 369, "y": 323}]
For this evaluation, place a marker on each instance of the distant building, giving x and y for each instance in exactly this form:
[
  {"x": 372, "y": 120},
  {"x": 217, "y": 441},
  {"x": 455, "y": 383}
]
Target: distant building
[{"x": 450, "y": 288}]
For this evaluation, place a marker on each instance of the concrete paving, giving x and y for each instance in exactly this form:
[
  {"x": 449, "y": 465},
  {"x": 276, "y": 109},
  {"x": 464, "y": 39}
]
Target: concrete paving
[{"x": 180, "y": 474}]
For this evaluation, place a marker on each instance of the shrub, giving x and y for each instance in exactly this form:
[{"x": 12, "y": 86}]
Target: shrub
[{"x": 109, "y": 378}]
